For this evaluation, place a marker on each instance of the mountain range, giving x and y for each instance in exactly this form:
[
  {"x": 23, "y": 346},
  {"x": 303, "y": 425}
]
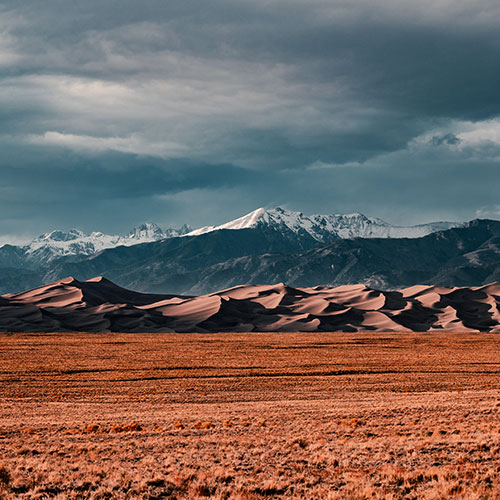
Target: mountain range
[
  {"x": 98, "y": 305},
  {"x": 265, "y": 247},
  {"x": 326, "y": 228},
  {"x": 44, "y": 249},
  {"x": 55, "y": 244}
]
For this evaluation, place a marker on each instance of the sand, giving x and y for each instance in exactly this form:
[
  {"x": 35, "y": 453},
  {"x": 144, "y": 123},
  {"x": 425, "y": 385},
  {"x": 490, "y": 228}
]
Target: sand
[{"x": 98, "y": 305}]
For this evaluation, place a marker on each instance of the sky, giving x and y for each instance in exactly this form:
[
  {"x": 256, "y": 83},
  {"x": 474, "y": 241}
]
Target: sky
[{"x": 116, "y": 112}]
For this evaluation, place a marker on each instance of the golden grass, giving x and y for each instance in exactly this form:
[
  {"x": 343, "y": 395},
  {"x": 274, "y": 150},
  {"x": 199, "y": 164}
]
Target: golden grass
[{"x": 250, "y": 416}]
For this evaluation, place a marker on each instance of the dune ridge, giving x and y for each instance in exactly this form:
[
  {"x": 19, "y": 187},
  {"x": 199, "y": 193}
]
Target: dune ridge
[{"x": 98, "y": 305}]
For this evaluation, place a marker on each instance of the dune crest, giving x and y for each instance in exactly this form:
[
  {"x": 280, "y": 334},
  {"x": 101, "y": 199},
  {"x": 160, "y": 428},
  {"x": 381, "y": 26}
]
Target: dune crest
[{"x": 98, "y": 305}]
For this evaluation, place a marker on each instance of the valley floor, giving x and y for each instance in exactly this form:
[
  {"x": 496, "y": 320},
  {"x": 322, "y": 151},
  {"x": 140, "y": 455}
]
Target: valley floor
[{"x": 250, "y": 416}]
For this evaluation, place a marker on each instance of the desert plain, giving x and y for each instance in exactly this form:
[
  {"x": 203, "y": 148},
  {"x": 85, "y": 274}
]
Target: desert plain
[{"x": 250, "y": 416}]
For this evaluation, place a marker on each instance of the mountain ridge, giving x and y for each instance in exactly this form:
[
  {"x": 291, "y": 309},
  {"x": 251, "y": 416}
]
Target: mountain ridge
[
  {"x": 325, "y": 228},
  {"x": 53, "y": 245}
]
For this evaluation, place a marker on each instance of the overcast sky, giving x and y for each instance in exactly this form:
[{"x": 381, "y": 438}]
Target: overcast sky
[{"x": 115, "y": 112}]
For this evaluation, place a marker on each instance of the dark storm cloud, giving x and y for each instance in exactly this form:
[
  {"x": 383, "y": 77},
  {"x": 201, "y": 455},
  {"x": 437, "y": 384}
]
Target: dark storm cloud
[
  {"x": 318, "y": 105},
  {"x": 111, "y": 174},
  {"x": 439, "y": 59},
  {"x": 89, "y": 190}
]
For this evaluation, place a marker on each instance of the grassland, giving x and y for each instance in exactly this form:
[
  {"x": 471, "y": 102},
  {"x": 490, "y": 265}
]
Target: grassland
[{"x": 250, "y": 416}]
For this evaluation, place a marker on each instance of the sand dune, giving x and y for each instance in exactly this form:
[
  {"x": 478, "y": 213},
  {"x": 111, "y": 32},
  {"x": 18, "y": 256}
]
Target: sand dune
[{"x": 98, "y": 305}]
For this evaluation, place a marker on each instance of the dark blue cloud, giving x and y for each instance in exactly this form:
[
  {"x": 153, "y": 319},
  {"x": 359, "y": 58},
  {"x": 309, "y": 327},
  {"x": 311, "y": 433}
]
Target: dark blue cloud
[{"x": 186, "y": 110}]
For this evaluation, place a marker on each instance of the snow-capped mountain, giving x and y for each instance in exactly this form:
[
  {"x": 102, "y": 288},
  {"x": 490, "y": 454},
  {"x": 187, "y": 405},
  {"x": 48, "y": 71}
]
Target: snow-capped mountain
[
  {"x": 274, "y": 246},
  {"x": 60, "y": 253},
  {"x": 323, "y": 228},
  {"x": 55, "y": 244},
  {"x": 326, "y": 228}
]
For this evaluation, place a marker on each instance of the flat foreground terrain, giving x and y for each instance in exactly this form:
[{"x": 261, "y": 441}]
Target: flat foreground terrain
[{"x": 250, "y": 416}]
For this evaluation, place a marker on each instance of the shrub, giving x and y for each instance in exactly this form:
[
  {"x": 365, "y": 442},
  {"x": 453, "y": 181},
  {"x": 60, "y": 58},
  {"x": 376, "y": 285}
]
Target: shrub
[
  {"x": 4, "y": 476},
  {"x": 203, "y": 425},
  {"x": 127, "y": 428},
  {"x": 91, "y": 428}
]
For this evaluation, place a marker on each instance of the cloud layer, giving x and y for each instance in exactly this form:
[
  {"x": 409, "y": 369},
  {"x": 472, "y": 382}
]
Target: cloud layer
[{"x": 114, "y": 112}]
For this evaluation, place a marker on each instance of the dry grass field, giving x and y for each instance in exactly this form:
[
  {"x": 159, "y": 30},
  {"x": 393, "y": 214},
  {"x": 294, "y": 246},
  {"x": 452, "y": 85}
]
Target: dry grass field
[{"x": 250, "y": 416}]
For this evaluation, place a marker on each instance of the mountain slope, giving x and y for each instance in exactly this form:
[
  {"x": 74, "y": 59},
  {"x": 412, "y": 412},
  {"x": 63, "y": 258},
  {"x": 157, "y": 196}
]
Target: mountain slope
[
  {"x": 99, "y": 305},
  {"x": 145, "y": 267},
  {"x": 461, "y": 256}
]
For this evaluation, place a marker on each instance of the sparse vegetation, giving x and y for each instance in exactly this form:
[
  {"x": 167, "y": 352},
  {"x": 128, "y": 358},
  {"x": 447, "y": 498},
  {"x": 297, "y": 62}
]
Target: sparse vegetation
[{"x": 303, "y": 416}]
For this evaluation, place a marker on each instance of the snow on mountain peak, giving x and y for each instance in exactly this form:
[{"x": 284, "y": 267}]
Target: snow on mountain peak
[
  {"x": 58, "y": 235},
  {"x": 247, "y": 221},
  {"x": 147, "y": 231},
  {"x": 325, "y": 228},
  {"x": 184, "y": 229},
  {"x": 57, "y": 243}
]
